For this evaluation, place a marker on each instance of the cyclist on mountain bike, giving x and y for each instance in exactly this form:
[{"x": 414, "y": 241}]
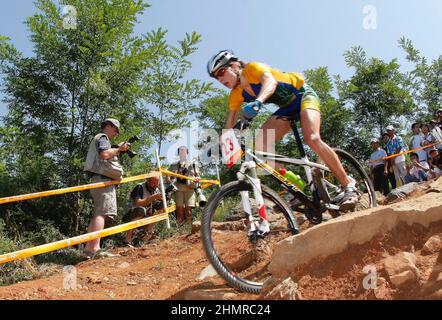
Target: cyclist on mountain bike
[{"x": 255, "y": 84}]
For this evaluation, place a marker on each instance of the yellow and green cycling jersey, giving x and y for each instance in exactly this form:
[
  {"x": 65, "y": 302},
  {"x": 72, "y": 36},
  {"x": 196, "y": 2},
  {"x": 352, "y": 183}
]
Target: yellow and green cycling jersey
[{"x": 291, "y": 95}]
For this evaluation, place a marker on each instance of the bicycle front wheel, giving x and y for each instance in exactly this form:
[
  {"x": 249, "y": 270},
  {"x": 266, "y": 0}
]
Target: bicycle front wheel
[{"x": 240, "y": 261}]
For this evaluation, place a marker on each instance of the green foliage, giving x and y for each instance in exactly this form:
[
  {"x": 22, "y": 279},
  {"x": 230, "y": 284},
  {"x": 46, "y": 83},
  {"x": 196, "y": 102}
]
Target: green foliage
[
  {"x": 426, "y": 81},
  {"x": 58, "y": 97},
  {"x": 213, "y": 111},
  {"x": 78, "y": 77},
  {"x": 377, "y": 94},
  {"x": 19, "y": 270},
  {"x": 169, "y": 98}
]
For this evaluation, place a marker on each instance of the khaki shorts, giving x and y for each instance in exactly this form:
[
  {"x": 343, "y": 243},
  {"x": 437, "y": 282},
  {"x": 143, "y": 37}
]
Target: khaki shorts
[
  {"x": 185, "y": 198},
  {"x": 105, "y": 199}
]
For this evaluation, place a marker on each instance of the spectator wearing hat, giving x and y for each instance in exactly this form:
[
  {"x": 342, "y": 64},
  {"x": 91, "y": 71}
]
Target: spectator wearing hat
[
  {"x": 389, "y": 163},
  {"x": 416, "y": 141},
  {"x": 396, "y": 145},
  {"x": 379, "y": 170},
  {"x": 102, "y": 165},
  {"x": 428, "y": 138}
]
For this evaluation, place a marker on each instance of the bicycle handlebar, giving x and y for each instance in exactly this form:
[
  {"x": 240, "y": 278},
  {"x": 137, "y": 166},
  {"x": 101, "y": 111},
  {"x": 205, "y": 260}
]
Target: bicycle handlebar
[{"x": 242, "y": 124}]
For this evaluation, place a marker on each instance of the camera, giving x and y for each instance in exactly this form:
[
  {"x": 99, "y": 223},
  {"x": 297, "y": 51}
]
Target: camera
[
  {"x": 129, "y": 152},
  {"x": 201, "y": 198},
  {"x": 169, "y": 190}
]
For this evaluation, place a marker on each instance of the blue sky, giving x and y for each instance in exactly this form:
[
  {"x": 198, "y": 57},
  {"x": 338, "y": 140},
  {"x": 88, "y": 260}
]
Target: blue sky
[{"x": 287, "y": 34}]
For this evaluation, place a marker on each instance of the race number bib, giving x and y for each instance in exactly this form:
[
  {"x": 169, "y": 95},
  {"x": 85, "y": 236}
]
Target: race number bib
[{"x": 230, "y": 148}]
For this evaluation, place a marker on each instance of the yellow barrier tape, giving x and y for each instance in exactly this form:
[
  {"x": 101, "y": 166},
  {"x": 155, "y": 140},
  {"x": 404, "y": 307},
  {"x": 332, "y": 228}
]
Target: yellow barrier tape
[
  {"x": 45, "y": 248},
  {"x": 170, "y": 173},
  {"x": 77, "y": 188},
  {"x": 97, "y": 185},
  {"x": 405, "y": 152}
]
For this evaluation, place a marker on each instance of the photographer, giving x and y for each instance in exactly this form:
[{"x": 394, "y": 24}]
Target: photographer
[
  {"x": 144, "y": 199},
  {"x": 185, "y": 196},
  {"x": 102, "y": 165}
]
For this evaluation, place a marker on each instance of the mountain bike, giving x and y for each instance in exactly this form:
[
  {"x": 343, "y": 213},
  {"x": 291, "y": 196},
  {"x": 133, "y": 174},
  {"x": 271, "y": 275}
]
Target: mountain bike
[{"x": 244, "y": 219}]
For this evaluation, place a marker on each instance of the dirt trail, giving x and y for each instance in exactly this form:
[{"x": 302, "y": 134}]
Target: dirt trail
[
  {"x": 169, "y": 269},
  {"x": 163, "y": 270}
]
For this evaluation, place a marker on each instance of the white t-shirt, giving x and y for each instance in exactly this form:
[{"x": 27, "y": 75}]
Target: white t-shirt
[
  {"x": 379, "y": 153},
  {"x": 415, "y": 142},
  {"x": 415, "y": 171}
]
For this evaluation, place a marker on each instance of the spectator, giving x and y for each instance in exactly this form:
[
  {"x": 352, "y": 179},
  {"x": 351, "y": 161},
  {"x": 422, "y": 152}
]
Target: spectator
[
  {"x": 416, "y": 141},
  {"x": 428, "y": 138},
  {"x": 435, "y": 162},
  {"x": 419, "y": 171},
  {"x": 433, "y": 126},
  {"x": 185, "y": 197},
  {"x": 389, "y": 163},
  {"x": 145, "y": 198},
  {"x": 395, "y": 145},
  {"x": 102, "y": 165},
  {"x": 379, "y": 170},
  {"x": 439, "y": 118}
]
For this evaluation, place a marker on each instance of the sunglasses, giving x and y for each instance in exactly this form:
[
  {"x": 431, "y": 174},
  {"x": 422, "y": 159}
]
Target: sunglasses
[{"x": 221, "y": 72}]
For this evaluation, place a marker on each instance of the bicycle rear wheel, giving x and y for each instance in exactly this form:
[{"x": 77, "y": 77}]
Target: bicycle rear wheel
[
  {"x": 241, "y": 262},
  {"x": 363, "y": 183}
]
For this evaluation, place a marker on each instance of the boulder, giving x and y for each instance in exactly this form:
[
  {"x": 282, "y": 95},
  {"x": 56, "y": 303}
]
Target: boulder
[
  {"x": 433, "y": 245},
  {"x": 402, "y": 192},
  {"x": 401, "y": 269},
  {"x": 207, "y": 272},
  {"x": 285, "y": 290}
]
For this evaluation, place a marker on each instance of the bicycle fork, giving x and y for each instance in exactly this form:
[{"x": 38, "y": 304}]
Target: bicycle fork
[{"x": 255, "y": 227}]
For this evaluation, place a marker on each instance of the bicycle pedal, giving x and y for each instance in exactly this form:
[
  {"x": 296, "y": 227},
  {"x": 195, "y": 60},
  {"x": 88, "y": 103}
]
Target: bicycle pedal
[{"x": 330, "y": 206}]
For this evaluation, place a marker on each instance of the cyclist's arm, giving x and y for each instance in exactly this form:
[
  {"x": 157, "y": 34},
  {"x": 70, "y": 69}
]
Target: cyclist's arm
[
  {"x": 268, "y": 86},
  {"x": 231, "y": 119}
]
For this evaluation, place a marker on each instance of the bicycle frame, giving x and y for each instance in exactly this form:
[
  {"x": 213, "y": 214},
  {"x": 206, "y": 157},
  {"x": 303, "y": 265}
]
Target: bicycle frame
[{"x": 313, "y": 208}]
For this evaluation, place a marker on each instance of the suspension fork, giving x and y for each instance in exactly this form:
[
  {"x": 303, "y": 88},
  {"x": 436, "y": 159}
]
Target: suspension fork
[{"x": 257, "y": 191}]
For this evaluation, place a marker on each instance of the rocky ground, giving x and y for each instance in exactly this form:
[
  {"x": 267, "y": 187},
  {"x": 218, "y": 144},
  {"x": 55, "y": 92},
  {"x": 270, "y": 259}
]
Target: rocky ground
[{"x": 405, "y": 263}]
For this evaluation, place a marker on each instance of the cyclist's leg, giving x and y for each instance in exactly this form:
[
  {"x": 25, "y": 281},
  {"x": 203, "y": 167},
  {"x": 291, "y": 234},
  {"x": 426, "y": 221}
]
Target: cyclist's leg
[
  {"x": 310, "y": 125},
  {"x": 310, "y": 116},
  {"x": 265, "y": 141}
]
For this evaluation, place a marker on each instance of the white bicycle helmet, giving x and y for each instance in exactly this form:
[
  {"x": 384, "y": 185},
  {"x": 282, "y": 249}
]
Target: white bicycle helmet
[{"x": 219, "y": 60}]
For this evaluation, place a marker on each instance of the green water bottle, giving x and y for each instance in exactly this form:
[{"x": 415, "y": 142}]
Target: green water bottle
[{"x": 293, "y": 178}]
